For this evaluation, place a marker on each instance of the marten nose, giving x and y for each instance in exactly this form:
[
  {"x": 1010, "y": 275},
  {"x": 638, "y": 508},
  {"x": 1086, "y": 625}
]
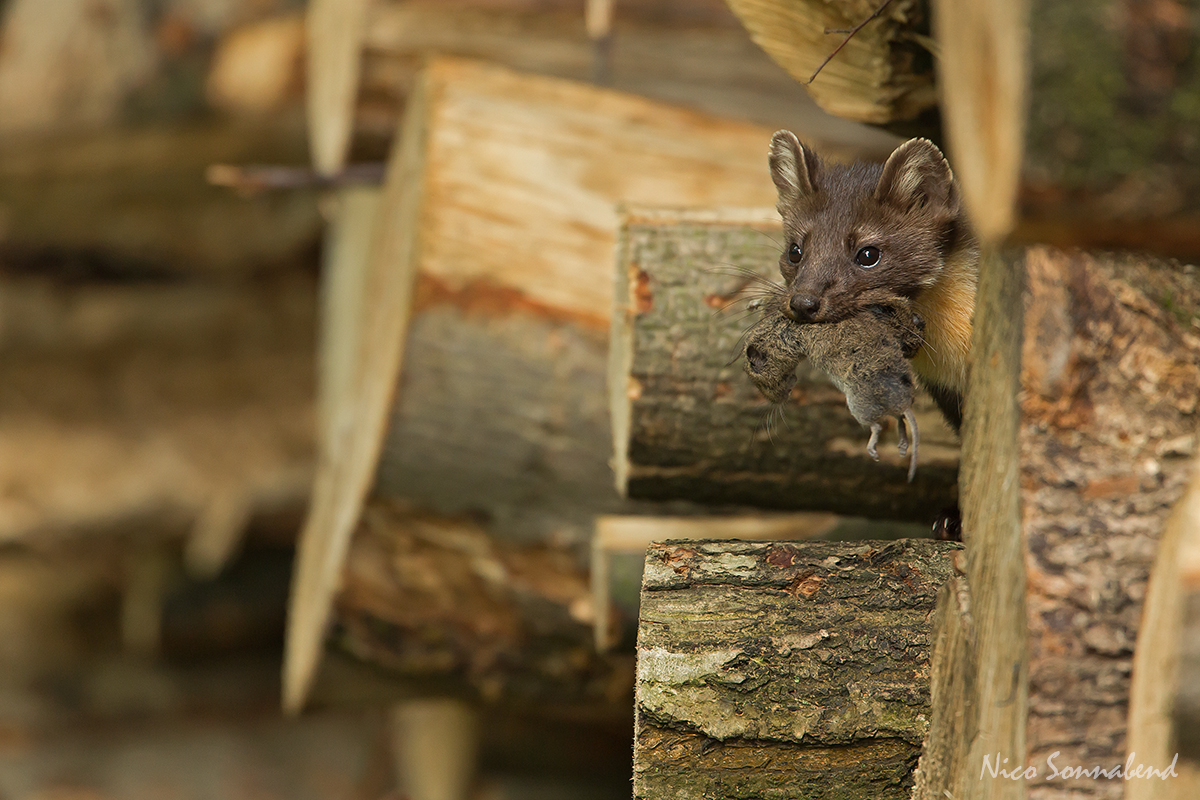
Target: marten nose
[{"x": 804, "y": 306}]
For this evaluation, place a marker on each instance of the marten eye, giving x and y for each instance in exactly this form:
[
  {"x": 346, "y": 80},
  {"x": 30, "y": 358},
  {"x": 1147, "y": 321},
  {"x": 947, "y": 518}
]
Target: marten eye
[
  {"x": 867, "y": 257},
  {"x": 794, "y": 254}
]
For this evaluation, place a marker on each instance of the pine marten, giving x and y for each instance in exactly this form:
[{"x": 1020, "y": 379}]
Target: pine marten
[
  {"x": 865, "y": 355},
  {"x": 860, "y": 235}
]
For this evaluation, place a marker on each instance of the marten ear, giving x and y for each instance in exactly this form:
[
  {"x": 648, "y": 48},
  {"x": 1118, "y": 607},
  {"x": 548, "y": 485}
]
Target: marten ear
[
  {"x": 794, "y": 168},
  {"x": 916, "y": 174}
]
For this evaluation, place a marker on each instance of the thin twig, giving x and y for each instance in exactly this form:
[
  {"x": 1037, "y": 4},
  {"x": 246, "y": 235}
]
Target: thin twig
[
  {"x": 849, "y": 36},
  {"x": 252, "y": 179}
]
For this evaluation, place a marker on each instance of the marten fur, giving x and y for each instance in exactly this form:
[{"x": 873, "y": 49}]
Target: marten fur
[{"x": 857, "y": 236}]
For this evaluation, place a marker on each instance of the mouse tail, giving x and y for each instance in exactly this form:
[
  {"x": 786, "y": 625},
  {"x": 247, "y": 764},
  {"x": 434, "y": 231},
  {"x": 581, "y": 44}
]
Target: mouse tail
[{"x": 915, "y": 437}]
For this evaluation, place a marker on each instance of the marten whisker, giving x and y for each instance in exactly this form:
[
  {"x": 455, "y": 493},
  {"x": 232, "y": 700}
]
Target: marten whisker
[
  {"x": 735, "y": 270},
  {"x": 772, "y": 239}
]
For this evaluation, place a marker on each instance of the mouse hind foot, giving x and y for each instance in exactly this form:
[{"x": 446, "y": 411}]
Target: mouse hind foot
[{"x": 873, "y": 442}]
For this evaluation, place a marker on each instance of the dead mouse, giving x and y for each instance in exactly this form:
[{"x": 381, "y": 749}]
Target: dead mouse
[{"x": 865, "y": 355}]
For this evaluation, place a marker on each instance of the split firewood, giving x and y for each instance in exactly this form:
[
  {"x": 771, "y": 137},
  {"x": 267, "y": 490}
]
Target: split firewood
[
  {"x": 865, "y": 60},
  {"x": 476, "y": 370},
  {"x": 1077, "y": 441}
]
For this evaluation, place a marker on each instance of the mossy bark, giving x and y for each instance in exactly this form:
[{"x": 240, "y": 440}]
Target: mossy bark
[
  {"x": 784, "y": 670},
  {"x": 1111, "y": 153}
]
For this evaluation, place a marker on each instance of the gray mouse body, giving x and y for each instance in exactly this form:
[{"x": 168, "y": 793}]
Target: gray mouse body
[{"x": 865, "y": 355}]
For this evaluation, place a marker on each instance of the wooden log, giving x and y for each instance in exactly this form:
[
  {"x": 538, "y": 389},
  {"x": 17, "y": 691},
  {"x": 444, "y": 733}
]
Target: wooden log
[
  {"x": 884, "y": 73},
  {"x": 335, "y": 33},
  {"x": 687, "y": 421},
  {"x": 1066, "y": 487},
  {"x": 440, "y": 602},
  {"x": 631, "y": 535},
  {"x": 692, "y": 54},
  {"x": 122, "y": 404},
  {"x": 135, "y": 202},
  {"x": 784, "y": 670},
  {"x": 1162, "y": 701},
  {"x": 1067, "y": 120},
  {"x": 490, "y": 279}
]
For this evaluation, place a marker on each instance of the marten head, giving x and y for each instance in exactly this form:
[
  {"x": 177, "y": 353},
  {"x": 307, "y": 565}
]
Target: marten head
[{"x": 858, "y": 235}]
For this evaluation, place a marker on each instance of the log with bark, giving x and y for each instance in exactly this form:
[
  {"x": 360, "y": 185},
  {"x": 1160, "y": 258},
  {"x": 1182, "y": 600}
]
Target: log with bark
[
  {"x": 489, "y": 277},
  {"x": 1081, "y": 416},
  {"x": 687, "y": 421},
  {"x": 630, "y": 535},
  {"x": 134, "y": 202},
  {"x": 789, "y": 670},
  {"x": 162, "y": 404},
  {"x": 440, "y": 602}
]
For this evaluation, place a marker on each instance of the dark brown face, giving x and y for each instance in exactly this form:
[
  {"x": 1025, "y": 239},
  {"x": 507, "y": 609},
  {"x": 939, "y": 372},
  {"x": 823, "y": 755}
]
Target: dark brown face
[{"x": 863, "y": 234}]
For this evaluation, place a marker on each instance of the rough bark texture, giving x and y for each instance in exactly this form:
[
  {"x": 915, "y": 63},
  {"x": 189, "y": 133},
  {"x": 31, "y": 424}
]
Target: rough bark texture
[
  {"x": 1110, "y": 384},
  {"x": 122, "y": 403},
  {"x": 437, "y": 600},
  {"x": 784, "y": 670},
  {"x": 1096, "y": 459},
  {"x": 688, "y": 423}
]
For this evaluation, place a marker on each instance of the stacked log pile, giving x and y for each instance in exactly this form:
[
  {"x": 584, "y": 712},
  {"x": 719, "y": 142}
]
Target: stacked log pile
[
  {"x": 484, "y": 309},
  {"x": 480, "y": 375}
]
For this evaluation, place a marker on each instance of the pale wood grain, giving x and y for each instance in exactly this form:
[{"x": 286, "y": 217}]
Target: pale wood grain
[
  {"x": 347, "y": 462},
  {"x": 983, "y": 76},
  {"x": 881, "y": 75},
  {"x": 335, "y": 32},
  {"x": 1157, "y": 674},
  {"x": 502, "y": 196}
]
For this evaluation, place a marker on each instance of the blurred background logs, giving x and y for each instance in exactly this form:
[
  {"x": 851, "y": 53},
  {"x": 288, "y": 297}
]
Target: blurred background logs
[{"x": 169, "y": 386}]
